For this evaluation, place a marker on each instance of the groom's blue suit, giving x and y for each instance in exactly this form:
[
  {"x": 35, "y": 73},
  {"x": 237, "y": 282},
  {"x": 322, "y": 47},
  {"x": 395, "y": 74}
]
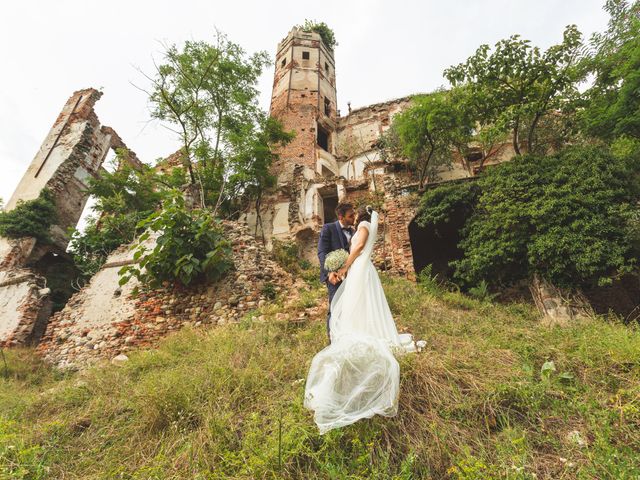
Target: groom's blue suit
[{"x": 331, "y": 238}]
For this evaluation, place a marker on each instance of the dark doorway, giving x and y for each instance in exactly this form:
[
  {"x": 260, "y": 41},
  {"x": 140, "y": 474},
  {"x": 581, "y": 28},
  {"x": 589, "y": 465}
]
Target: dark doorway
[
  {"x": 437, "y": 245},
  {"x": 61, "y": 273},
  {"x": 329, "y": 205},
  {"x": 621, "y": 297},
  {"x": 329, "y": 198}
]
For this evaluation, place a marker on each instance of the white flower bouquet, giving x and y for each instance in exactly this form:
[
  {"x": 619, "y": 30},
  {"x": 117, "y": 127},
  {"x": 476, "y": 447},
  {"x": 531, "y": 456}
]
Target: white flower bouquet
[{"x": 335, "y": 260}]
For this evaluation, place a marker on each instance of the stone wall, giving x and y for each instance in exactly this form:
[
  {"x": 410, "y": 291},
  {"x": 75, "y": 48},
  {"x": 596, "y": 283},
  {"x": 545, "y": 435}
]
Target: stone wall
[
  {"x": 24, "y": 302},
  {"x": 72, "y": 152},
  {"x": 104, "y": 320}
]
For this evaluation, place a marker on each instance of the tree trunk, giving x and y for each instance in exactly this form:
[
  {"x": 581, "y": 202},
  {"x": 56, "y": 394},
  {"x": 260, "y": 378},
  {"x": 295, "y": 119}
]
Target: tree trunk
[
  {"x": 531, "y": 130},
  {"x": 516, "y": 146}
]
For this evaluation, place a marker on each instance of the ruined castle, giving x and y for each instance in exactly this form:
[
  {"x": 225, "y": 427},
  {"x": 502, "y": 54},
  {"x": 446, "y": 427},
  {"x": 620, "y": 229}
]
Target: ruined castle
[
  {"x": 336, "y": 158},
  {"x": 332, "y": 158}
]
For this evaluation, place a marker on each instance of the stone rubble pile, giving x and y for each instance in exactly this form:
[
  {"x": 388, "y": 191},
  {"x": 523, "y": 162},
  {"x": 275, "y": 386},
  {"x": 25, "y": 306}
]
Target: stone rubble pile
[{"x": 70, "y": 341}]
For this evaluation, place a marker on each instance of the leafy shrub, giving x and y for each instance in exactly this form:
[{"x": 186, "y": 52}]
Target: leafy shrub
[
  {"x": 190, "y": 247},
  {"x": 124, "y": 198},
  {"x": 32, "y": 218},
  {"x": 269, "y": 290},
  {"x": 481, "y": 292},
  {"x": 287, "y": 255},
  {"x": 439, "y": 204},
  {"x": 428, "y": 281},
  {"x": 566, "y": 217}
]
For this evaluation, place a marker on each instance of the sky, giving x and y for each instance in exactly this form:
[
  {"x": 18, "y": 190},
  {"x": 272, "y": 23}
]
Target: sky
[{"x": 386, "y": 49}]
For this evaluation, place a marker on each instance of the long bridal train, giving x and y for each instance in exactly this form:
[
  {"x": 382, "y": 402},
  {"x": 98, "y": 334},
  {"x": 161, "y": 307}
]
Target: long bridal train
[{"x": 357, "y": 375}]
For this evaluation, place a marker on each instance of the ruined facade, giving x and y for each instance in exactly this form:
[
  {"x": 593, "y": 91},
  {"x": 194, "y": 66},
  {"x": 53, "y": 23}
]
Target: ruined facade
[
  {"x": 334, "y": 158},
  {"x": 72, "y": 152}
]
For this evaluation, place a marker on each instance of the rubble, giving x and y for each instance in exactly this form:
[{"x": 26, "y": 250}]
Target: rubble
[{"x": 95, "y": 324}]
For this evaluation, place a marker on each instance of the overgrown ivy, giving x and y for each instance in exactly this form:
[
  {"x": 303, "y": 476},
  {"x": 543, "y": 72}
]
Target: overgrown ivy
[
  {"x": 568, "y": 217},
  {"x": 31, "y": 218},
  {"x": 439, "y": 204}
]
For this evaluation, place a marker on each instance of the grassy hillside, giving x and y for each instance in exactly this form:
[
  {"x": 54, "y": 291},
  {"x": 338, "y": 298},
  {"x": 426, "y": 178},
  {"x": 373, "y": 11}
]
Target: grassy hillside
[{"x": 227, "y": 403}]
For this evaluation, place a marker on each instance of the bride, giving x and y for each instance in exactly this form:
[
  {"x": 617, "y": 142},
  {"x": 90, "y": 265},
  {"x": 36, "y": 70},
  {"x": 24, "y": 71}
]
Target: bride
[{"x": 357, "y": 375}]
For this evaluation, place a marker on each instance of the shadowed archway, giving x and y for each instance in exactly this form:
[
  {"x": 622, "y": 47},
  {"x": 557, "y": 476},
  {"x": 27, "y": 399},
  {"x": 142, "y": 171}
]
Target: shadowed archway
[{"x": 436, "y": 244}]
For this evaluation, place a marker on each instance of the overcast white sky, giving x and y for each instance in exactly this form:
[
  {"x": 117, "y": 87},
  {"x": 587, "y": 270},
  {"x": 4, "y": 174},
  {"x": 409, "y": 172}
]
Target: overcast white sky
[{"x": 387, "y": 49}]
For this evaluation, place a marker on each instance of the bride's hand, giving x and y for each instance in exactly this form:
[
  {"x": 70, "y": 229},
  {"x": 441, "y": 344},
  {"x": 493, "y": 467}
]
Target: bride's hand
[{"x": 342, "y": 273}]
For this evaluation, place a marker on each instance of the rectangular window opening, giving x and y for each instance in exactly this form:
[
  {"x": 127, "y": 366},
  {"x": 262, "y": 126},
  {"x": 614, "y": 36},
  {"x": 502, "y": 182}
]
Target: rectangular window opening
[
  {"x": 323, "y": 138},
  {"x": 326, "y": 67},
  {"x": 284, "y": 62},
  {"x": 327, "y": 107},
  {"x": 474, "y": 156},
  {"x": 305, "y": 55}
]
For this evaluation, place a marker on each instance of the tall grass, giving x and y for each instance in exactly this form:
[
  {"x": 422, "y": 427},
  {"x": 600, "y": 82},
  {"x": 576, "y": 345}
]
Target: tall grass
[{"x": 227, "y": 402}]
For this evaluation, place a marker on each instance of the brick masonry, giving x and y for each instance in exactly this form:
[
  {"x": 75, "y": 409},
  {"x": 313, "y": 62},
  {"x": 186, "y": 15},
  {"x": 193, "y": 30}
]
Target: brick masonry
[
  {"x": 72, "y": 152},
  {"x": 76, "y": 336}
]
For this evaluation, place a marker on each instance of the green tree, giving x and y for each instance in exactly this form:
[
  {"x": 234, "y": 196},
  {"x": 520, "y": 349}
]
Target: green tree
[
  {"x": 567, "y": 217},
  {"x": 123, "y": 198},
  {"x": 515, "y": 86},
  {"x": 480, "y": 116},
  {"x": 207, "y": 95},
  {"x": 428, "y": 132},
  {"x": 251, "y": 175},
  {"x": 613, "y": 102}
]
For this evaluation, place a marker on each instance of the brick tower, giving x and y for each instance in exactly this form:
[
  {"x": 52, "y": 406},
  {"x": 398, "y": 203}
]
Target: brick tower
[{"x": 304, "y": 100}]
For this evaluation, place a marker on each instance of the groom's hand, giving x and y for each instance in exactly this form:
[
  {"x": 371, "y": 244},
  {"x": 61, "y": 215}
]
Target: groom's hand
[{"x": 333, "y": 279}]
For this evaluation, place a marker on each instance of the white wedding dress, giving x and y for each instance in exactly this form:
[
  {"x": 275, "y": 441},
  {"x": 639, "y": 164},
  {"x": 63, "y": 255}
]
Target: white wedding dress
[{"x": 357, "y": 375}]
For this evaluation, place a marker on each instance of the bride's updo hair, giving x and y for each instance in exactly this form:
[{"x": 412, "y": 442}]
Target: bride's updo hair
[{"x": 364, "y": 214}]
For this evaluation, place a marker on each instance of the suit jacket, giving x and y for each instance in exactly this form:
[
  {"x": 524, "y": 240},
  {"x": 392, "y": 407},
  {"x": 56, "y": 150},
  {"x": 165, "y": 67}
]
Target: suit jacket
[{"x": 331, "y": 238}]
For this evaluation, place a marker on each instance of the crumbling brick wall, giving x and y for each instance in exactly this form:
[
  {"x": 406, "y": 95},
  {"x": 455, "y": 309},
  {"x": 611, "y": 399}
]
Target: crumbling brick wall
[
  {"x": 24, "y": 302},
  {"x": 72, "y": 152},
  {"x": 76, "y": 336}
]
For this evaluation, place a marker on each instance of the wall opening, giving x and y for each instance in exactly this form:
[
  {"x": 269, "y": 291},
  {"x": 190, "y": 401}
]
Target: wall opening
[
  {"x": 325, "y": 172},
  {"x": 474, "y": 156},
  {"x": 323, "y": 138},
  {"x": 327, "y": 107},
  {"x": 329, "y": 202},
  {"x": 437, "y": 245},
  {"x": 61, "y": 274},
  {"x": 305, "y": 55},
  {"x": 284, "y": 62}
]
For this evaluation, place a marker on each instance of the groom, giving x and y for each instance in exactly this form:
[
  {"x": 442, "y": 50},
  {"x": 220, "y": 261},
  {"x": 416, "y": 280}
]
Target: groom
[{"x": 335, "y": 235}]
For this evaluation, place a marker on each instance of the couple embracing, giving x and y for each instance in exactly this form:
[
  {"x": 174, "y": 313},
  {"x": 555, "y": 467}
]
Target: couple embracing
[{"x": 357, "y": 375}]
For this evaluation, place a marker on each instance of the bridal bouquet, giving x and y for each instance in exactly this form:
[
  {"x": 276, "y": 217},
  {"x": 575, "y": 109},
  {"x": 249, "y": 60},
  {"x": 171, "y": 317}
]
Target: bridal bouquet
[{"x": 335, "y": 260}]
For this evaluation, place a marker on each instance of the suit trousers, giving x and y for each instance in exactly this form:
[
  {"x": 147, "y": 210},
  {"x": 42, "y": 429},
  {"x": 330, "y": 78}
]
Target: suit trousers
[{"x": 332, "y": 291}]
